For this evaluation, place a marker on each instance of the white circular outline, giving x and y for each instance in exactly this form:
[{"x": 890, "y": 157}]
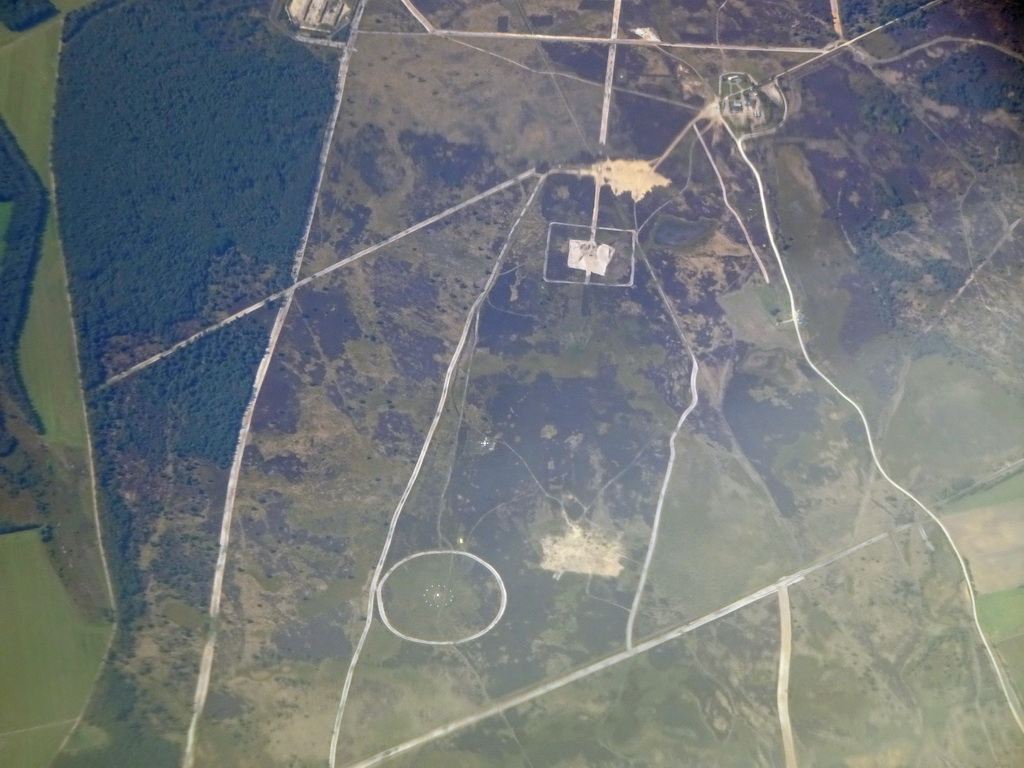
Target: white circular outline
[{"x": 471, "y": 556}]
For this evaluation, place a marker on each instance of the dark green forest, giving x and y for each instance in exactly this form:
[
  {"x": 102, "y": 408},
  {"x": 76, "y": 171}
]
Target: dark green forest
[
  {"x": 964, "y": 79},
  {"x": 184, "y": 410},
  {"x": 19, "y": 15},
  {"x": 19, "y": 185},
  {"x": 861, "y": 15},
  {"x": 185, "y": 148}
]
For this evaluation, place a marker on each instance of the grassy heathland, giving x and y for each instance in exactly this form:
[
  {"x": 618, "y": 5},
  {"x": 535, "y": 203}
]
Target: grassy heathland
[{"x": 50, "y": 655}]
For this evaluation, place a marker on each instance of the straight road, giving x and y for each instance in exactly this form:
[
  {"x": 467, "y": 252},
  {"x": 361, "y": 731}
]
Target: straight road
[
  {"x": 782, "y": 692},
  {"x": 609, "y": 75},
  {"x": 453, "y": 365},
  {"x": 287, "y": 292},
  {"x": 634, "y": 608},
  {"x": 505, "y": 704},
  {"x": 1004, "y": 683},
  {"x": 206, "y": 660}
]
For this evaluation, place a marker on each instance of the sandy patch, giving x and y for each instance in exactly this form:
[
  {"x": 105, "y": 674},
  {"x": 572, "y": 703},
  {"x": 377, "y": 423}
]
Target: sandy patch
[
  {"x": 591, "y": 551},
  {"x": 636, "y": 177}
]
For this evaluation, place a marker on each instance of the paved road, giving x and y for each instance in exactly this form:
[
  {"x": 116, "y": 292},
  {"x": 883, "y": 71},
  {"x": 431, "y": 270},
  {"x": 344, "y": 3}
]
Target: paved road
[
  {"x": 634, "y": 609},
  {"x": 505, "y": 704},
  {"x": 1004, "y": 683},
  {"x": 782, "y": 692},
  {"x": 206, "y": 660},
  {"x": 453, "y": 365},
  {"x": 609, "y": 75},
  {"x": 287, "y": 292}
]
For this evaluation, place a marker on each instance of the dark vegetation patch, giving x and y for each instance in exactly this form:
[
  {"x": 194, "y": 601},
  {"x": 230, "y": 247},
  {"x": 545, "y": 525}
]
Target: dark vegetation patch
[
  {"x": 277, "y": 408},
  {"x": 762, "y": 427},
  {"x": 453, "y": 163},
  {"x": 20, "y": 186},
  {"x": 861, "y": 15},
  {"x": 320, "y": 638},
  {"x": 977, "y": 79},
  {"x": 646, "y": 126},
  {"x": 881, "y": 108},
  {"x": 154, "y": 432},
  {"x": 330, "y": 319},
  {"x": 185, "y": 148},
  {"x": 122, "y": 711},
  {"x": 379, "y": 165},
  {"x": 674, "y": 231},
  {"x": 587, "y": 61},
  {"x": 19, "y": 15},
  {"x": 569, "y": 199}
]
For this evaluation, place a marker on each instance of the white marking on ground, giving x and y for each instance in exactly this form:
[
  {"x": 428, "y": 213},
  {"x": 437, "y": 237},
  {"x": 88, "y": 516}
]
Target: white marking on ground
[
  {"x": 449, "y": 375},
  {"x": 615, "y": 658}
]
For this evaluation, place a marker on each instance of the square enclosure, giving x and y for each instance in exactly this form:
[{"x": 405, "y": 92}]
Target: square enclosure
[{"x": 579, "y": 245}]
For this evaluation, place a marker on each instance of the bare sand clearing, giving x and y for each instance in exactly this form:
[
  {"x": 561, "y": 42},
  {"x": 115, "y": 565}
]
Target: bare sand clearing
[
  {"x": 590, "y": 551},
  {"x": 636, "y": 177}
]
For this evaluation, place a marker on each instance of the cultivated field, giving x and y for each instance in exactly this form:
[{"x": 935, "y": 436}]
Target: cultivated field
[{"x": 50, "y": 654}]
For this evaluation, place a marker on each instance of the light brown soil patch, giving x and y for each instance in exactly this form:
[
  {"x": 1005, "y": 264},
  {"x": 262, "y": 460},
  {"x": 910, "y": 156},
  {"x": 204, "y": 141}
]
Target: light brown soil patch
[
  {"x": 636, "y": 177},
  {"x": 580, "y": 550}
]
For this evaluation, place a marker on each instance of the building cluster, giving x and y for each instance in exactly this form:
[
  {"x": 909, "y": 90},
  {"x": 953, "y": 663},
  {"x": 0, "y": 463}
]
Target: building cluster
[{"x": 318, "y": 16}]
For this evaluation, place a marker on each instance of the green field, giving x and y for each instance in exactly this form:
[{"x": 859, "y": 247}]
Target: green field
[
  {"x": 47, "y": 351},
  {"x": 28, "y": 85},
  {"x": 1010, "y": 489},
  {"x": 50, "y": 656},
  {"x": 28, "y": 78},
  {"x": 1002, "y": 613}
]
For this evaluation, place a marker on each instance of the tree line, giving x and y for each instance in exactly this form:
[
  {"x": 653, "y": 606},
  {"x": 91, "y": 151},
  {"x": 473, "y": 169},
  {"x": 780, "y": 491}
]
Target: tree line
[
  {"x": 22, "y": 242},
  {"x": 186, "y": 142}
]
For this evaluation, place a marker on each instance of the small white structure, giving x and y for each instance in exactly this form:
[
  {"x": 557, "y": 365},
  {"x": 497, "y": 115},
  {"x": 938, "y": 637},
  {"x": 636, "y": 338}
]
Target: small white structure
[
  {"x": 646, "y": 33},
  {"x": 317, "y": 15},
  {"x": 590, "y": 256}
]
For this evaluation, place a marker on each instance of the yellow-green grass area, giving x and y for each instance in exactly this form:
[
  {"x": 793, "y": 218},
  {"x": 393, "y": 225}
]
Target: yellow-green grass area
[
  {"x": 1002, "y": 614},
  {"x": 28, "y": 88},
  {"x": 1009, "y": 490},
  {"x": 1012, "y": 654},
  {"x": 954, "y": 423},
  {"x": 49, "y": 654},
  {"x": 988, "y": 528},
  {"x": 47, "y": 350}
]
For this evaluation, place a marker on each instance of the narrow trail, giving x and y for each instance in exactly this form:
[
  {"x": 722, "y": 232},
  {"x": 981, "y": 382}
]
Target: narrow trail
[
  {"x": 634, "y": 608},
  {"x": 837, "y": 19},
  {"x": 206, "y": 661},
  {"x": 39, "y": 727},
  {"x": 733, "y": 211},
  {"x": 794, "y": 313},
  {"x": 393, "y": 524},
  {"x": 90, "y": 458},
  {"x": 782, "y": 691},
  {"x": 947, "y": 39},
  {"x": 286, "y": 292},
  {"x": 580, "y": 673},
  {"x": 419, "y": 16}
]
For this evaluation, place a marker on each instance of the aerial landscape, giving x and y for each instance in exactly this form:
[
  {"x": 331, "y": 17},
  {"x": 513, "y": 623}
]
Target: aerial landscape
[{"x": 498, "y": 383}]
